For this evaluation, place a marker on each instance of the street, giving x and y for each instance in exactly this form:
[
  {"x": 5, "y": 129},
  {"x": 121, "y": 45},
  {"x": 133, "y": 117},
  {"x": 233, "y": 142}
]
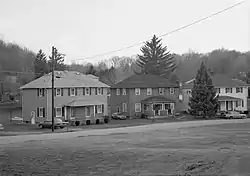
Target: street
[{"x": 198, "y": 147}]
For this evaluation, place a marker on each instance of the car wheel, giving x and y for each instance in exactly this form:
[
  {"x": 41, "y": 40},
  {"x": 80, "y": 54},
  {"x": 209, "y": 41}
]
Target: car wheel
[
  {"x": 41, "y": 126},
  {"x": 231, "y": 117},
  {"x": 88, "y": 122},
  {"x": 61, "y": 127}
]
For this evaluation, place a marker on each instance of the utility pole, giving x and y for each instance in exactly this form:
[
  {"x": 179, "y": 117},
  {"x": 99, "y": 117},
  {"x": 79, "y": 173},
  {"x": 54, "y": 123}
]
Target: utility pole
[{"x": 52, "y": 74}]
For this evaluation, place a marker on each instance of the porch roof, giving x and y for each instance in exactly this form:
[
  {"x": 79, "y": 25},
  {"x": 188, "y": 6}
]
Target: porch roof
[
  {"x": 157, "y": 99},
  {"x": 80, "y": 103},
  {"x": 225, "y": 98}
]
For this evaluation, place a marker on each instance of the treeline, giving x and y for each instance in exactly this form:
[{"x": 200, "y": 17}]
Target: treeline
[{"x": 17, "y": 59}]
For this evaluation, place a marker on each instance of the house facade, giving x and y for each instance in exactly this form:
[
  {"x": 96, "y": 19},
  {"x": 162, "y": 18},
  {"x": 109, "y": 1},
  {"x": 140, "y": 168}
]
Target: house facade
[
  {"x": 76, "y": 96},
  {"x": 233, "y": 93},
  {"x": 138, "y": 95}
]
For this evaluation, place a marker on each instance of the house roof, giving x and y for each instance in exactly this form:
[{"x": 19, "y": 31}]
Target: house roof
[
  {"x": 82, "y": 102},
  {"x": 65, "y": 79},
  {"x": 156, "y": 99},
  {"x": 144, "y": 81},
  {"x": 224, "y": 98},
  {"x": 220, "y": 81}
]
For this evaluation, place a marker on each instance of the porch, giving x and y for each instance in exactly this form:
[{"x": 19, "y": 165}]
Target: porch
[
  {"x": 228, "y": 103},
  {"x": 82, "y": 110},
  {"x": 158, "y": 106}
]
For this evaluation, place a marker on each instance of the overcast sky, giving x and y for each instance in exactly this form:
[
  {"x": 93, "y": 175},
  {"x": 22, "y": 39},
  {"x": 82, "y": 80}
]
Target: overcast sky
[{"x": 83, "y": 28}]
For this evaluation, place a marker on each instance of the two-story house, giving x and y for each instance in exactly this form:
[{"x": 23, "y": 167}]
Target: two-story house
[
  {"x": 233, "y": 93},
  {"x": 140, "y": 93},
  {"x": 76, "y": 96}
]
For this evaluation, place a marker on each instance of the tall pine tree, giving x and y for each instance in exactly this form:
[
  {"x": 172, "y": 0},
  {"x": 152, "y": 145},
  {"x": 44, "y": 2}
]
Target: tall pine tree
[
  {"x": 40, "y": 64},
  {"x": 155, "y": 59},
  {"x": 58, "y": 62},
  {"x": 204, "y": 101}
]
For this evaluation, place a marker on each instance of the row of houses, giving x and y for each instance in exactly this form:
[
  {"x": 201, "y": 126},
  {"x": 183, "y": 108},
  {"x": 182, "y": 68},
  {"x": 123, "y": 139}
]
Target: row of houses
[{"x": 82, "y": 96}]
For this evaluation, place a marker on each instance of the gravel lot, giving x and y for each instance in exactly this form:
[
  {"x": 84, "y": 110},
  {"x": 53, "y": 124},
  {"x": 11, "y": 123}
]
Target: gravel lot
[{"x": 162, "y": 149}]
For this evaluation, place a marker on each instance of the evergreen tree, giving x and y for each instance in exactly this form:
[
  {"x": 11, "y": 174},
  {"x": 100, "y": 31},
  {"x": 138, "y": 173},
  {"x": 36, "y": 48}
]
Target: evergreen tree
[
  {"x": 40, "y": 64},
  {"x": 58, "y": 62},
  {"x": 155, "y": 58},
  {"x": 204, "y": 101}
]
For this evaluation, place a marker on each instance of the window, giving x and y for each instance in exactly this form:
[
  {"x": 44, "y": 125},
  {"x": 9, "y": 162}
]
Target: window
[
  {"x": 229, "y": 90},
  {"x": 87, "y": 111},
  {"x": 217, "y": 90},
  {"x": 239, "y": 90},
  {"x": 59, "y": 92},
  {"x": 124, "y": 107},
  {"x": 58, "y": 112},
  {"x": 149, "y": 91},
  {"x": 72, "y": 112},
  {"x": 99, "y": 91},
  {"x": 87, "y": 91},
  {"x": 137, "y": 107},
  {"x": 124, "y": 91},
  {"x": 189, "y": 92},
  {"x": 137, "y": 91},
  {"x": 167, "y": 106},
  {"x": 161, "y": 91},
  {"x": 118, "y": 109},
  {"x": 40, "y": 112},
  {"x": 171, "y": 90},
  {"x": 99, "y": 108},
  {"x": 72, "y": 92},
  {"x": 118, "y": 91},
  {"x": 146, "y": 107},
  {"x": 40, "y": 92},
  {"x": 242, "y": 103}
]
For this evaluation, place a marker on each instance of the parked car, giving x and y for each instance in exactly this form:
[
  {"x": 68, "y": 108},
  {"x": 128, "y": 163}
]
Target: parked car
[
  {"x": 118, "y": 116},
  {"x": 233, "y": 115},
  {"x": 1, "y": 127},
  {"x": 58, "y": 123},
  {"x": 17, "y": 119}
]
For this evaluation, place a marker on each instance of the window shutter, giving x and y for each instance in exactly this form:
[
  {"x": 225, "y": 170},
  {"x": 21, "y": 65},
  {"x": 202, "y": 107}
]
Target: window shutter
[
  {"x": 43, "y": 92},
  {"x": 90, "y": 91},
  {"x": 37, "y": 112},
  {"x": 76, "y": 91},
  {"x": 37, "y": 92},
  {"x": 96, "y": 90},
  {"x": 83, "y": 90},
  {"x": 43, "y": 112},
  {"x": 102, "y": 90},
  {"x": 63, "y": 111},
  {"x": 54, "y": 92},
  {"x": 68, "y": 91},
  {"x": 61, "y": 91},
  {"x": 96, "y": 109},
  {"x": 102, "y": 108}
]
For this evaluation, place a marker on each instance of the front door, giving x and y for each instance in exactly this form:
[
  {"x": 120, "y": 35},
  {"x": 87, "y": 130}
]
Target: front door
[{"x": 157, "y": 109}]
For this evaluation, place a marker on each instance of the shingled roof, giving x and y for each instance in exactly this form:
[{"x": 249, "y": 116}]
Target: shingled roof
[
  {"x": 220, "y": 80},
  {"x": 145, "y": 81},
  {"x": 65, "y": 79}
]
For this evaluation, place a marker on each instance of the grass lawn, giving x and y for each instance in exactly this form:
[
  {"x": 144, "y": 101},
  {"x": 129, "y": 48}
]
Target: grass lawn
[{"x": 207, "y": 150}]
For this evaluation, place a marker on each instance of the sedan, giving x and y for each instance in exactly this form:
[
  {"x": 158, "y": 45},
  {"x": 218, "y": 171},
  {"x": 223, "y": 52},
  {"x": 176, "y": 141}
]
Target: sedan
[
  {"x": 118, "y": 116},
  {"x": 234, "y": 115},
  {"x": 58, "y": 123}
]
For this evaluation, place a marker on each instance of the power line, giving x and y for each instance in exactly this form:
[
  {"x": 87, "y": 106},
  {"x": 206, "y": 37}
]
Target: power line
[{"x": 168, "y": 33}]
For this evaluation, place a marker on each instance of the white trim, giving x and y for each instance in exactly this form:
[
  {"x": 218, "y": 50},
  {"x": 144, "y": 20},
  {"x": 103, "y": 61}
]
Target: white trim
[
  {"x": 124, "y": 91},
  {"x": 124, "y": 107},
  {"x": 58, "y": 115},
  {"x": 60, "y": 92},
  {"x": 47, "y": 93},
  {"x": 118, "y": 91},
  {"x": 137, "y": 91},
  {"x": 99, "y": 91},
  {"x": 161, "y": 91},
  {"x": 139, "y": 107},
  {"x": 172, "y": 91},
  {"x": 149, "y": 91},
  {"x": 99, "y": 109},
  {"x": 39, "y": 111}
]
